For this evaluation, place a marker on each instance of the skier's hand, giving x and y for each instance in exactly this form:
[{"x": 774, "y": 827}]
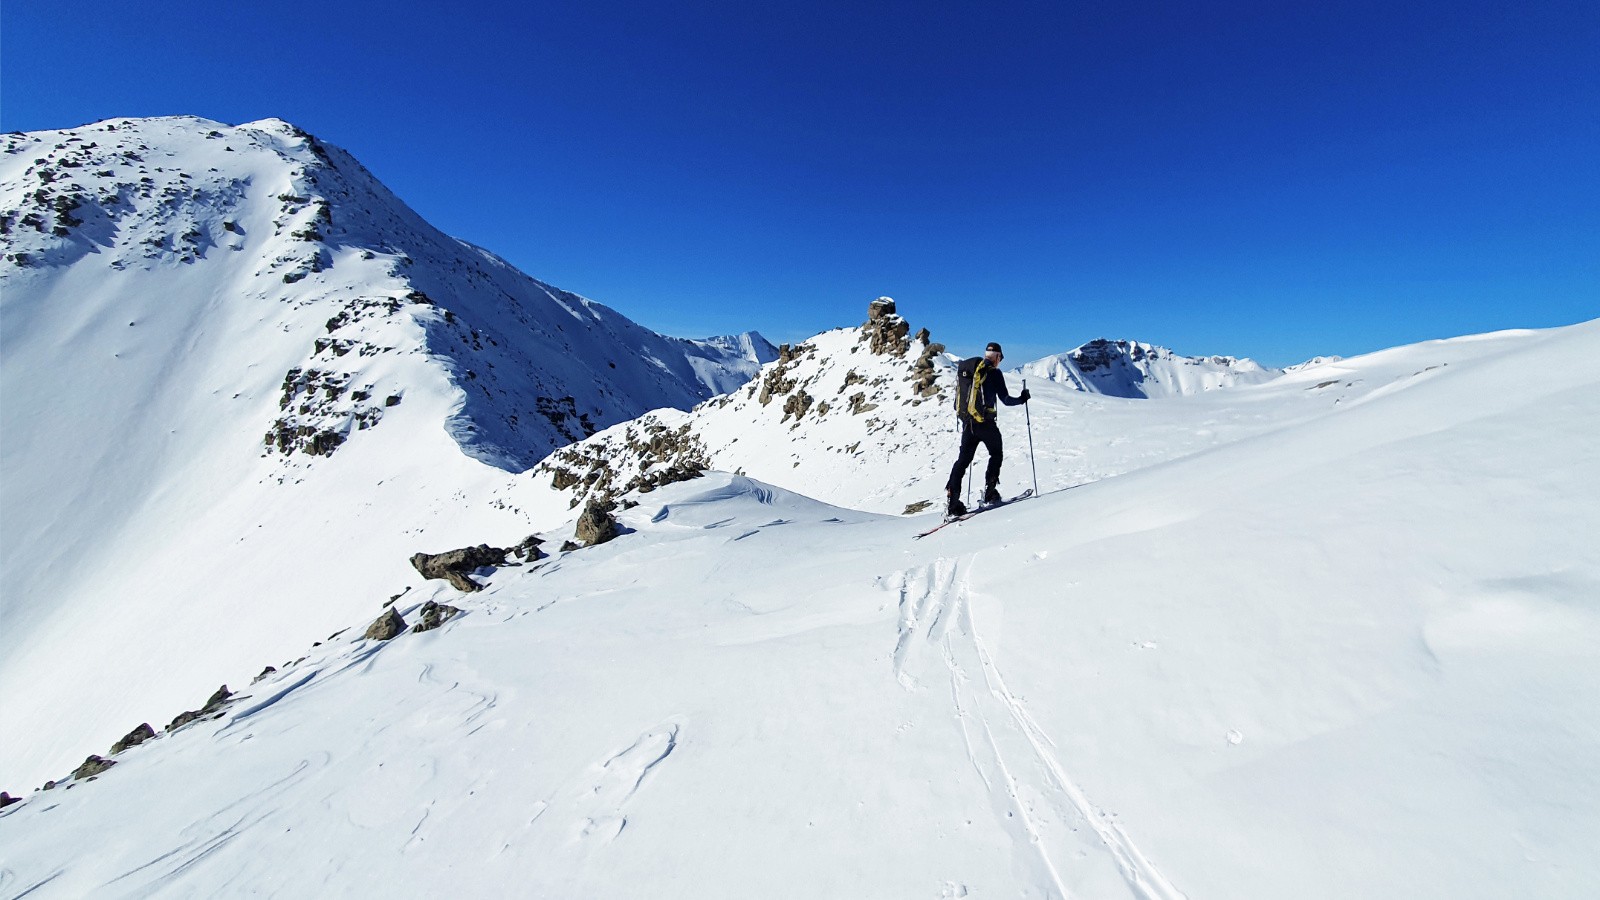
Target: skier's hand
[{"x": 1024, "y": 395}]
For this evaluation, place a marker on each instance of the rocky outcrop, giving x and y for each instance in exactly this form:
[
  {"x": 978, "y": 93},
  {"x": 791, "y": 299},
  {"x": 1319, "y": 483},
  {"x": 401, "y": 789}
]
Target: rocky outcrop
[
  {"x": 924, "y": 377},
  {"x": 386, "y": 626},
  {"x": 91, "y": 767},
  {"x": 133, "y": 738},
  {"x": 455, "y": 565},
  {"x": 596, "y": 525},
  {"x": 528, "y": 550},
  {"x": 434, "y": 615},
  {"x": 211, "y": 710},
  {"x": 320, "y": 407},
  {"x": 182, "y": 719},
  {"x": 775, "y": 383},
  {"x": 6, "y": 799},
  {"x": 798, "y": 404},
  {"x": 264, "y": 673},
  {"x": 885, "y": 332},
  {"x": 663, "y": 456}
]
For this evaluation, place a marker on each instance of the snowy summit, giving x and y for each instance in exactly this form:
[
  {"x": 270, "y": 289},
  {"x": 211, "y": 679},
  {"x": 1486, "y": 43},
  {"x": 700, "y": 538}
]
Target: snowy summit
[{"x": 1135, "y": 370}]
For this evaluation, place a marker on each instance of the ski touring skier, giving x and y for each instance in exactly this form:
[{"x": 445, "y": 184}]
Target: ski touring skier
[{"x": 979, "y": 384}]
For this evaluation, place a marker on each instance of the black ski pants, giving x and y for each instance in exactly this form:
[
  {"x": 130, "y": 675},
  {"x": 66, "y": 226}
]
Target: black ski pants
[{"x": 973, "y": 434}]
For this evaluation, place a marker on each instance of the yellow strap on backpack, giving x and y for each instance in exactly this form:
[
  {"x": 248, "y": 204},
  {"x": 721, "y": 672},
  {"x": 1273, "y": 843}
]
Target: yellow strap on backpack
[{"x": 975, "y": 399}]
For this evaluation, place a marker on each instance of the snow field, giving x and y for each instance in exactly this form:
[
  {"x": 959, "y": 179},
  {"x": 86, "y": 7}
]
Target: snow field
[{"x": 1349, "y": 656}]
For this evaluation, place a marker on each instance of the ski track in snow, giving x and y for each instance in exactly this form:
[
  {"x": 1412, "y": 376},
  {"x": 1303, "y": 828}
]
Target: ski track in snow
[
  {"x": 1043, "y": 810},
  {"x": 207, "y": 836}
]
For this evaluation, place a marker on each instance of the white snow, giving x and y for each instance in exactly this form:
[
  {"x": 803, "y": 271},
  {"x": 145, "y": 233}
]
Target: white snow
[{"x": 1330, "y": 635}]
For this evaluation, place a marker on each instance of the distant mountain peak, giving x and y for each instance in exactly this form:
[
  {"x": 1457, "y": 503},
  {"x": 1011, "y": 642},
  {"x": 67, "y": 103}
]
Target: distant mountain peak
[{"x": 1133, "y": 369}]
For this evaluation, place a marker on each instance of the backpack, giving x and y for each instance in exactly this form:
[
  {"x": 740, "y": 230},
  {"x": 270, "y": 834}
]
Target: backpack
[{"x": 969, "y": 390}]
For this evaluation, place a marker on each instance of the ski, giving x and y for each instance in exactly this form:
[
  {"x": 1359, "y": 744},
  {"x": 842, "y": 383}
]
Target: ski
[{"x": 956, "y": 520}]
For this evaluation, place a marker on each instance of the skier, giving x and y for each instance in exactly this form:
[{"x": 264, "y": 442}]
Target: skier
[{"x": 979, "y": 384}]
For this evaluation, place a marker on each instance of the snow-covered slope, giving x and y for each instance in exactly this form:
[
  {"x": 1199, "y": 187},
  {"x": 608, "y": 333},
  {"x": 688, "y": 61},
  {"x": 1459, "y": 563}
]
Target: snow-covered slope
[
  {"x": 240, "y": 381},
  {"x": 1347, "y": 652},
  {"x": 1132, "y": 369}
]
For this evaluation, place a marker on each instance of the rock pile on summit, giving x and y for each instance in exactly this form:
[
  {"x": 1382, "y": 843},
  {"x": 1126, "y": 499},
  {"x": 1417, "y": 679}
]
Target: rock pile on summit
[{"x": 885, "y": 331}]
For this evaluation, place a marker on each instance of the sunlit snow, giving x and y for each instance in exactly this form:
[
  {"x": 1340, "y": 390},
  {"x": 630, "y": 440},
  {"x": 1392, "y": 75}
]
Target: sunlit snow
[{"x": 1327, "y": 635}]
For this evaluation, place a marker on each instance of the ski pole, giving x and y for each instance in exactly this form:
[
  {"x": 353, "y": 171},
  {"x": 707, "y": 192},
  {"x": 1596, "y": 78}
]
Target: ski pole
[{"x": 1029, "y": 417}]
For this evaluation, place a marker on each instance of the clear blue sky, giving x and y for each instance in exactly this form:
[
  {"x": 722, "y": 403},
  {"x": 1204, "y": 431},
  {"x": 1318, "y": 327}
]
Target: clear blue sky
[{"x": 1275, "y": 179}]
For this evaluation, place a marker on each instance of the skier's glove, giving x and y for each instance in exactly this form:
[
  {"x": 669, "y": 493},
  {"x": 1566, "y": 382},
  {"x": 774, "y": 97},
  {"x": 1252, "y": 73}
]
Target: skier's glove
[{"x": 1024, "y": 395}]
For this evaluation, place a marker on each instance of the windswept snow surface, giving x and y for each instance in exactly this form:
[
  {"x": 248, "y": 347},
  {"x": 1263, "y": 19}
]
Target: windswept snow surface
[{"x": 1347, "y": 655}]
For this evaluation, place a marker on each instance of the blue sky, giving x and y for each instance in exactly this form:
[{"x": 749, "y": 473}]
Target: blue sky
[{"x": 1276, "y": 180}]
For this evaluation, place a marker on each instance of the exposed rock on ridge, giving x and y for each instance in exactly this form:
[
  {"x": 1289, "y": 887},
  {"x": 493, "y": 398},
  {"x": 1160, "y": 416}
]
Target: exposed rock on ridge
[{"x": 842, "y": 391}]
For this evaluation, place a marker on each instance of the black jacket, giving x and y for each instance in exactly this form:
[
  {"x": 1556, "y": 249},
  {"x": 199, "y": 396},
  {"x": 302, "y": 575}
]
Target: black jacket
[{"x": 991, "y": 387}]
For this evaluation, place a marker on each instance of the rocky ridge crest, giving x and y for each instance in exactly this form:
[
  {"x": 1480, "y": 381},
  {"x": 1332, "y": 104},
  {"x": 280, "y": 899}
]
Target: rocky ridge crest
[{"x": 870, "y": 386}]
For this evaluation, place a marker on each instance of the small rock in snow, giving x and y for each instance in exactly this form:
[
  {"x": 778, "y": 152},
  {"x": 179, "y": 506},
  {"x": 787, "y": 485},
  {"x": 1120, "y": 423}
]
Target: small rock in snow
[
  {"x": 434, "y": 615},
  {"x": 385, "y": 626},
  {"x": 133, "y": 738},
  {"x": 596, "y": 525},
  {"x": 92, "y": 766}
]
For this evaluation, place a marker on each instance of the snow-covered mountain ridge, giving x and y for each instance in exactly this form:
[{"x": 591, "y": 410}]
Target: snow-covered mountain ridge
[
  {"x": 308, "y": 234},
  {"x": 1137, "y": 370},
  {"x": 239, "y": 381}
]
